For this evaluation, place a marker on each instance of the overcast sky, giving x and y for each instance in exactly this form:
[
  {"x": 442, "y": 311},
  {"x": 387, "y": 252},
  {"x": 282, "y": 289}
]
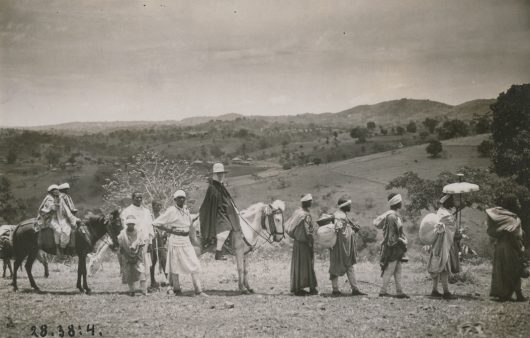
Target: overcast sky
[{"x": 97, "y": 60}]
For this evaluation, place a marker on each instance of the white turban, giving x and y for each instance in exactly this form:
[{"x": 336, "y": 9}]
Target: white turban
[
  {"x": 306, "y": 198},
  {"x": 64, "y": 186},
  {"x": 130, "y": 220},
  {"x": 179, "y": 193},
  {"x": 53, "y": 187},
  {"x": 348, "y": 202},
  {"x": 395, "y": 200}
]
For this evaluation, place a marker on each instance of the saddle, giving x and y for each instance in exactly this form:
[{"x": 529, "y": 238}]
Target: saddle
[{"x": 46, "y": 241}]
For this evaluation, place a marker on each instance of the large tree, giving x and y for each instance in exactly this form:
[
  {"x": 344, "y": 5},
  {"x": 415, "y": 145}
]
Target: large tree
[
  {"x": 511, "y": 133},
  {"x": 153, "y": 175}
]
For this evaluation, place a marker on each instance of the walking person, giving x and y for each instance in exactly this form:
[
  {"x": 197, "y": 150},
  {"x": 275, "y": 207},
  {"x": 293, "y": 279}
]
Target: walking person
[
  {"x": 439, "y": 265},
  {"x": 132, "y": 252},
  {"x": 342, "y": 255},
  {"x": 394, "y": 246},
  {"x": 181, "y": 256},
  {"x": 303, "y": 259},
  {"x": 508, "y": 263}
]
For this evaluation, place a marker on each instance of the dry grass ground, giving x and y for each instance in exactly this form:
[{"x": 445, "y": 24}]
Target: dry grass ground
[{"x": 272, "y": 311}]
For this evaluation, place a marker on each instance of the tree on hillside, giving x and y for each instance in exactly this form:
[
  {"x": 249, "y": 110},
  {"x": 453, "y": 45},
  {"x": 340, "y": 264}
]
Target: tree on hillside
[
  {"x": 430, "y": 124},
  {"x": 434, "y": 148},
  {"x": 152, "y": 174},
  {"x": 485, "y": 148},
  {"x": 52, "y": 156},
  {"x": 359, "y": 132},
  {"x": 370, "y": 125},
  {"x": 453, "y": 128},
  {"x": 511, "y": 133},
  {"x": 11, "y": 208},
  {"x": 482, "y": 124},
  {"x": 400, "y": 130},
  {"x": 411, "y": 127}
]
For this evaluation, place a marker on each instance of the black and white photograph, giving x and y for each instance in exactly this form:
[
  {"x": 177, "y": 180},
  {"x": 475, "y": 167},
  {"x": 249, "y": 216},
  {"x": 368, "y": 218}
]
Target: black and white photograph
[{"x": 265, "y": 168}]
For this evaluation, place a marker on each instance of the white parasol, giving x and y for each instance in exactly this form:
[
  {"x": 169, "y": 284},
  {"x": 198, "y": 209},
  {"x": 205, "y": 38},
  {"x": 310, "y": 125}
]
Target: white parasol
[{"x": 460, "y": 188}]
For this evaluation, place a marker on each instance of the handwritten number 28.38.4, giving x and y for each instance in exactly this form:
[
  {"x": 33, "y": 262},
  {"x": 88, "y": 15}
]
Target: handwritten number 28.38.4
[{"x": 42, "y": 331}]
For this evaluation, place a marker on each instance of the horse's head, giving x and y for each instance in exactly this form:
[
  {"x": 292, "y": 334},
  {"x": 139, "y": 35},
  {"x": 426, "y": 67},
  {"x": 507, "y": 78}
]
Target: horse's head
[
  {"x": 113, "y": 226},
  {"x": 273, "y": 215}
]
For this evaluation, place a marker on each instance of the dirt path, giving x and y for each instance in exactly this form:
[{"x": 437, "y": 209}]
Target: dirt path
[{"x": 270, "y": 312}]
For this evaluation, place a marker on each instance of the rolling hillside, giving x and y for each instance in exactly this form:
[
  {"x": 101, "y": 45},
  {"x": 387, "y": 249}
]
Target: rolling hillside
[{"x": 385, "y": 113}]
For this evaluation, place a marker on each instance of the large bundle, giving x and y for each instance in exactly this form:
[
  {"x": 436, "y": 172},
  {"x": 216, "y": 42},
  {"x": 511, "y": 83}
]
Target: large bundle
[
  {"x": 326, "y": 236},
  {"x": 428, "y": 228}
]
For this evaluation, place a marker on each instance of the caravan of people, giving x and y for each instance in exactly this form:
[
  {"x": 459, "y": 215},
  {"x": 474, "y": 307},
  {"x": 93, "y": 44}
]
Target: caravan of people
[{"x": 174, "y": 240}]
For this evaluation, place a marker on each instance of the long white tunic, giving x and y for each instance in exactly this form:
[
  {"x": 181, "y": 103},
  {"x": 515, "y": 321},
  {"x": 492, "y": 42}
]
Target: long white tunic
[{"x": 181, "y": 256}]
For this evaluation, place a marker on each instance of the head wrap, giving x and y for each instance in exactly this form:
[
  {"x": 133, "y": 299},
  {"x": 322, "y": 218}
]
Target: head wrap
[
  {"x": 64, "y": 186},
  {"x": 179, "y": 193},
  {"x": 395, "y": 200},
  {"x": 53, "y": 187},
  {"x": 445, "y": 198},
  {"x": 343, "y": 202},
  {"x": 130, "y": 220},
  {"x": 306, "y": 198}
]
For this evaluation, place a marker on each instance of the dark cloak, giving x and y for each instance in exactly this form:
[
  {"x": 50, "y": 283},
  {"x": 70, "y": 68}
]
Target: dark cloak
[{"x": 217, "y": 214}]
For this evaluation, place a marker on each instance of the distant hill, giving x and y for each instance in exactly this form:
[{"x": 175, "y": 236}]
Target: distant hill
[{"x": 384, "y": 113}]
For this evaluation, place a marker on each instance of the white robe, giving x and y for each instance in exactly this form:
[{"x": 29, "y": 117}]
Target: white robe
[{"x": 181, "y": 256}]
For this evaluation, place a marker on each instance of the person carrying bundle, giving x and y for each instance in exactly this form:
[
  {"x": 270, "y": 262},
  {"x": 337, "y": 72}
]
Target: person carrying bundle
[
  {"x": 439, "y": 265},
  {"x": 394, "y": 245},
  {"x": 508, "y": 264},
  {"x": 342, "y": 254},
  {"x": 302, "y": 262}
]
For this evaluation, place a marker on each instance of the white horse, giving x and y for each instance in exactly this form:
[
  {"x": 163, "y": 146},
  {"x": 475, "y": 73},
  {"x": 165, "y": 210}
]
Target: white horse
[{"x": 260, "y": 220}]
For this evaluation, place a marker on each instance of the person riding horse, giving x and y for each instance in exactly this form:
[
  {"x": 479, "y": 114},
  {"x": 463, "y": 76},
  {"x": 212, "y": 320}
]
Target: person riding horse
[{"x": 218, "y": 213}]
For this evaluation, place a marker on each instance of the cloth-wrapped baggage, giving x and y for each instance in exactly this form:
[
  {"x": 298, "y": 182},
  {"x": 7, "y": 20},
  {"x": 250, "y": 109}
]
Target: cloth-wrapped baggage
[{"x": 427, "y": 231}]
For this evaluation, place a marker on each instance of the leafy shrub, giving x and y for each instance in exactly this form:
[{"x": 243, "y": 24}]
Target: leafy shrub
[
  {"x": 434, "y": 148},
  {"x": 485, "y": 148},
  {"x": 367, "y": 235}
]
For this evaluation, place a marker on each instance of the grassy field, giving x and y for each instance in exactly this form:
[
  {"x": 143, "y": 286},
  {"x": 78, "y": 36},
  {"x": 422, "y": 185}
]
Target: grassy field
[{"x": 272, "y": 311}]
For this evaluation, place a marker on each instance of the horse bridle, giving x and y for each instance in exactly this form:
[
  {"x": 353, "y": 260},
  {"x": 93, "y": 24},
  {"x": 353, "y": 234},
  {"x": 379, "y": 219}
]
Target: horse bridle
[
  {"x": 272, "y": 224},
  {"x": 109, "y": 224}
]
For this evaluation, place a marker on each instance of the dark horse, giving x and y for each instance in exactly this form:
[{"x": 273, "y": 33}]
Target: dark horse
[
  {"x": 6, "y": 251},
  {"x": 92, "y": 228}
]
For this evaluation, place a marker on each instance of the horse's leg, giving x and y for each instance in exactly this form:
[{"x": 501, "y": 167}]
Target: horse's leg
[
  {"x": 239, "y": 251},
  {"x": 154, "y": 255},
  {"x": 42, "y": 259},
  {"x": 79, "y": 270},
  {"x": 82, "y": 258},
  {"x": 29, "y": 265},
  {"x": 16, "y": 266},
  {"x": 9, "y": 267},
  {"x": 245, "y": 272},
  {"x": 4, "y": 267}
]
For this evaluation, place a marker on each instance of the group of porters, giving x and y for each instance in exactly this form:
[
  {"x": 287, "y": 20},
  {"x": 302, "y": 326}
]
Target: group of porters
[{"x": 220, "y": 220}]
